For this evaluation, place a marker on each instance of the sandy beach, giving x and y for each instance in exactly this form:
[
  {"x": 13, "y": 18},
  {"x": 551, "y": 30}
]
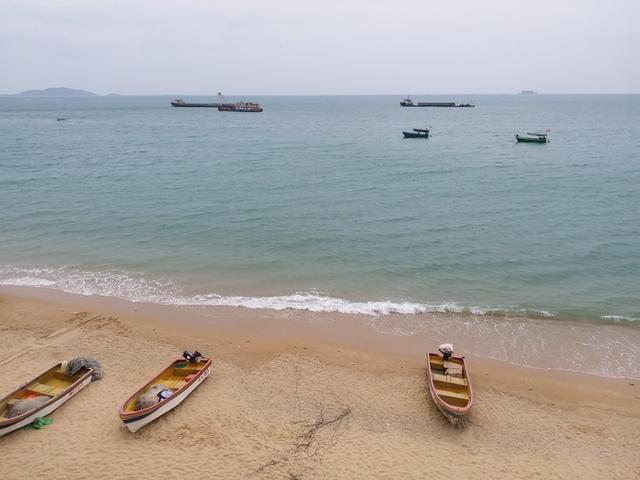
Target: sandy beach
[
  {"x": 291, "y": 403},
  {"x": 231, "y": 248}
]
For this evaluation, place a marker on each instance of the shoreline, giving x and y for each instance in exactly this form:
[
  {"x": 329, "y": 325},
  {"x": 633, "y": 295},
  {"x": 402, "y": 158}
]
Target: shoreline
[
  {"x": 141, "y": 288},
  {"x": 275, "y": 373},
  {"x": 605, "y": 350}
]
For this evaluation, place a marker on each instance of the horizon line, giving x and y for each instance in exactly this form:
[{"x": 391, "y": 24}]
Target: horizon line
[{"x": 312, "y": 94}]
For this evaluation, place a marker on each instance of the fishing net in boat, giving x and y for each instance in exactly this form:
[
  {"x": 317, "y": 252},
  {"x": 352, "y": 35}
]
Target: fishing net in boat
[
  {"x": 73, "y": 366},
  {"x": 25, "y": 405},
  {"x": 155, "y": 394}
]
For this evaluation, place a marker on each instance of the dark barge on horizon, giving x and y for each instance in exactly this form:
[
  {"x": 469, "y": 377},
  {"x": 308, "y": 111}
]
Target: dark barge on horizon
[
  {"x": 407, "y": 102},
  {"x": 178, "y": 102},
  {"x": 222, "y": 105},
  {"x": 241, "y": 106},
  {"x": 250, "y": 107}
]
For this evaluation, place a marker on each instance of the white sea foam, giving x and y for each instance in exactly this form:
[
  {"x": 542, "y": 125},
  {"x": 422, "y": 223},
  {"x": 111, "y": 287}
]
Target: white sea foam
[
  {"x": 314, "y": 302},
  {"x": 619, "y": 318},
  {"x": 125, "y": 285},
  {"x": 494, "y": 334},
  {"x": 27, "y": 282},
  {"x": 138, "y": 287}
]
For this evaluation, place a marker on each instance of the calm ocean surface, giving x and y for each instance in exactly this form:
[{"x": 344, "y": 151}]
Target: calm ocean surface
[{"x": 319, "y": 203}]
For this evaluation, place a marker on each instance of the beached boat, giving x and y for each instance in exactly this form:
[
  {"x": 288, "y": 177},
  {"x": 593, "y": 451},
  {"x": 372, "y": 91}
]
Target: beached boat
[
  {"x": 417, "y": 133},
  {"x": 450, "y": 386},
  {"x": 41, "y": 396},
  {"x": 165, "y": 391},
  {"x": 532, "y": 138}
]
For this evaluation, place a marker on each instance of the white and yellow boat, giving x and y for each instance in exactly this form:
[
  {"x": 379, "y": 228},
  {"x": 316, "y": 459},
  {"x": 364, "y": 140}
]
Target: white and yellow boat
[
  {"x": 165, "y": 391},
  {"x": 450, "y": 386},
  {"x": 41, "y": 396}
]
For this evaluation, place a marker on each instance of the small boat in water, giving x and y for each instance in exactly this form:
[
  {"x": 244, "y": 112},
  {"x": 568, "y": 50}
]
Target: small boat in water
[
  {"x": 45, "y": 393},
  {"x": 533, "y": 138},
  {"x": 165, "y": 391},
  {"x": 417, "y": 133},
  {"x": 449, "y": 383}
]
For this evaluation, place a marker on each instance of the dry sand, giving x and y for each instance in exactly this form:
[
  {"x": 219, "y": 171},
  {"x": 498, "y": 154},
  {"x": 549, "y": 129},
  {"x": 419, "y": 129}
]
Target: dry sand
[{"x": 291, "y": 407}]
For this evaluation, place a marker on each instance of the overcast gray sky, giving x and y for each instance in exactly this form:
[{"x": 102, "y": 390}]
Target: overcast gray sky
[{"x": 321, "y": 47}]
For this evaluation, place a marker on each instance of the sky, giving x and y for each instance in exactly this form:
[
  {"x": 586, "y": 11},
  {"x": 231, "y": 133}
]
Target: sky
[{"x": 300, "y": 47}]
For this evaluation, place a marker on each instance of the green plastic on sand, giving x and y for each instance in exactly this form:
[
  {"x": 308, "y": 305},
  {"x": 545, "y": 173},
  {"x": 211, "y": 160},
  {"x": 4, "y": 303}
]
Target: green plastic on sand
[{"x": 40, "y": 423}]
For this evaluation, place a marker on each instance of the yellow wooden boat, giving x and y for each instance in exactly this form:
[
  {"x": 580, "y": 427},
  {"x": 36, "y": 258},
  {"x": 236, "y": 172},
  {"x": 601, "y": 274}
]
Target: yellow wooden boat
[
  {"x": 165, "y": 391},
  {"x": 450, "y": 386},
  {"x": 40, "y": 396}
]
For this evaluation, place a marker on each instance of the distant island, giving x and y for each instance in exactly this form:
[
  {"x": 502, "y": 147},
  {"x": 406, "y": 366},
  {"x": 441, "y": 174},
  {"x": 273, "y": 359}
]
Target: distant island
[
  {"x": 54, "y": 92},
  {"x": 528, "y": 92}
]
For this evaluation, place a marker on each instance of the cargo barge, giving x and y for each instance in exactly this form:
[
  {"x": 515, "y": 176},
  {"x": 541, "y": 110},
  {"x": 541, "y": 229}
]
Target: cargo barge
[
  {"x": 407, "y": 102},
  {"x": 242, "y": 106},
  {"x": 178, "y": 102}
]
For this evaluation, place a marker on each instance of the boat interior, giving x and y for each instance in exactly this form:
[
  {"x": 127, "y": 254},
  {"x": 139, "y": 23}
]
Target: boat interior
[
  {"x": 449, "y": 379},
  {"x": 51, "y": 384},
  {"x": 174, "y": 378}
]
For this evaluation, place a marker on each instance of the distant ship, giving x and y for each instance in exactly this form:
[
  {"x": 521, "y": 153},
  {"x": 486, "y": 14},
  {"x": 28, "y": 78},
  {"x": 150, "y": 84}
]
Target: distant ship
[
  {"x": 528, "y": 92},
  {"x": 242, "y": 106},
  {"x": 178, "y": 102},
  {"x": 407, "y": 102}
]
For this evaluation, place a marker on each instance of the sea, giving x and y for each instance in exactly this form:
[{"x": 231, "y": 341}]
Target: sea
[{"x": 320, "y": 204}]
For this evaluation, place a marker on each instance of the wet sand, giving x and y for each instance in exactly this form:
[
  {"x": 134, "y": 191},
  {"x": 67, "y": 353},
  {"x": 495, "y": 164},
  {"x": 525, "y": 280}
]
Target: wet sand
[{"x": 296, "y": 395}]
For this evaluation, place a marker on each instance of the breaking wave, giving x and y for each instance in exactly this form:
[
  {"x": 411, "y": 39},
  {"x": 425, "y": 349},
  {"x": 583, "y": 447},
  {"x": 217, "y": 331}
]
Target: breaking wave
[
  {"x": 619, "y": 318},
  {"x": 138, "y": 287},
  {"x": 529, "y": 341}
]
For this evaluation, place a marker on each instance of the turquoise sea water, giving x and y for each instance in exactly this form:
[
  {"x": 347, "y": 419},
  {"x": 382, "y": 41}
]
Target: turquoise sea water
[{"x": 319, "y": 203}]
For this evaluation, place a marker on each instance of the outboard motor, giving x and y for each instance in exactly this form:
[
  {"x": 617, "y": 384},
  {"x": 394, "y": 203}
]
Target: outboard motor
[
  {"x": 192, "y": 357},
  {"x": 446, "y": 349}
]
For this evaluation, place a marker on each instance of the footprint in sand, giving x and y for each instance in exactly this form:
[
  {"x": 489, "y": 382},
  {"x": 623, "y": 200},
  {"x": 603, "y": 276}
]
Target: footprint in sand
[{"x": 62, "y": 335}]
